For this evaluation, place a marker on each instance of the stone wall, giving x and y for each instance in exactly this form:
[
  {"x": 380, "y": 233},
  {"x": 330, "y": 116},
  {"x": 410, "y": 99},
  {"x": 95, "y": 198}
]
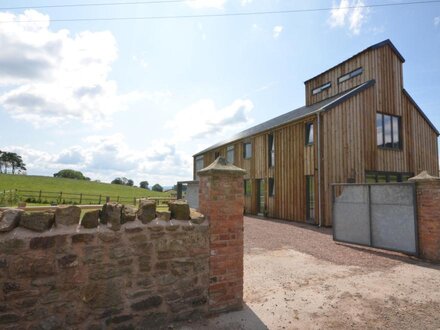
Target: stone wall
[
  {"x": 428, "y": 216},
  {"x": 124, "y": 268},
  {"x": 143, "y": 276}
]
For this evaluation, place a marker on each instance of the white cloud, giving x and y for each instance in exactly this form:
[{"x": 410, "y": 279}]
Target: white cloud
[
  {"x": 54, "y": 76},
  {"x": 277, "y": 31},
  {"x": 107, "y": 157},
  {"x": 202, "y": 4},
  {"x": 141, "y": 61},
  {"x": 245, "y": 2},
  {"x": 437, "y": 21},
  {"x": 349, "y": 14},
  {"x": 203, "y": 119}
]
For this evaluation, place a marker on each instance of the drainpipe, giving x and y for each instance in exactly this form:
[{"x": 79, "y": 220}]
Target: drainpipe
[{"x": 319, "y": 168}]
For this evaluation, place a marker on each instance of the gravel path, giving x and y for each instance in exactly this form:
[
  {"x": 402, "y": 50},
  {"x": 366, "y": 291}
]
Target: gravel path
[{"x": 296, "y": 277}]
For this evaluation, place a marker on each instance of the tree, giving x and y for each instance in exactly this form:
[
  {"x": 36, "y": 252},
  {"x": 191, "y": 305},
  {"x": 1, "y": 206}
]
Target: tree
[
  {"x": 117, "y": 181},
  {"x": 144, "y": 184},
  {"x": 157, "y": 187},
  {"x": 70, "y": 174},
  {"x": 12, "y": 160},
  {"x": 130, "y": 183}
]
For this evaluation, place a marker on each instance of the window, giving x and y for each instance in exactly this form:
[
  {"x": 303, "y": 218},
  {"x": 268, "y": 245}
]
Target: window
[
  {"x": 247, "y": 150},
  {"x": 199, "y": 163},
  {"x": 271, "y": 187},
  {"x": 350, "y": 75},
  {"x": 321, "y": 88},
  {"x": 216, "y": 155},
  {"x": 230, "y": 154},
  {"x": 247, "y": 187},
  {"x": 310, "y": 197},
  {"x": 384, "y": 177},
  {"x": 388, "y": 131},
  {"x": 309, "y": 133},
  {"x": 271, "y": 148}
]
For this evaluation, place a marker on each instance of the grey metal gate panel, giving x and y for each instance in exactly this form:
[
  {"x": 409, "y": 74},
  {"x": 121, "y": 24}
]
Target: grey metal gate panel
[
  {"x": 377, "y": 215},
  {"x": 351, "y": 209}
]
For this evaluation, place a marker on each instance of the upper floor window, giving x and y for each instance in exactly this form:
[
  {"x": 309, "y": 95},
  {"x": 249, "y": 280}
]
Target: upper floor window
[
  {"x": 350, "y": 75},
  {"x": 230, "y": 154},
  {"x": 309, "y": 133},
  {"x": 247, "y": 150},
  {"x": 388, "y": 131},
  {"x": 321, "y": 88},
  {"x": 216, "y": 155},
  {"x": 271, "y": 148},
  {"x": 199, "y": 163},
  {"x": 383, "y": 177}
]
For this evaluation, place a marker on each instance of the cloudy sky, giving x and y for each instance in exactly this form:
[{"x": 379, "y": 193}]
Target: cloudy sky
[{"x": 137, "y": 98}]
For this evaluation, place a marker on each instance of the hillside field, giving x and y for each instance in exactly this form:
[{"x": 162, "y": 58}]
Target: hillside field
[{"x": 70, "y": 188}]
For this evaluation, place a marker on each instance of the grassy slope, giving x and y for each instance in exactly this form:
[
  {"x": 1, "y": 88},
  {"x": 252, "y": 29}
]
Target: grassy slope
[{"x": 30, "y": 182}]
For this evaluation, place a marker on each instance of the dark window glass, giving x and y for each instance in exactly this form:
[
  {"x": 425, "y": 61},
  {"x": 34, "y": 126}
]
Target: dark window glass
[
  {"x": 271, "y": 148},
  {"x": 383, "y": 177},
  {"x": 321, "y": 88},
  {"x": 310, "y": 196},
  {"x": 388, "y": 131},
  {"x": 370, "y": 178},
  {"x": 216, "y": 155},
  {"x": 271, "y": 187},
  {"x": 350, "y": 75},
  {"x": 247, "y": 150},
  {"x": 309, "y": 133}
]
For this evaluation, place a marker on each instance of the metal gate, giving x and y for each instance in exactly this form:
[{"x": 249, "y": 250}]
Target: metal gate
[{"x": 377, "y": 215}]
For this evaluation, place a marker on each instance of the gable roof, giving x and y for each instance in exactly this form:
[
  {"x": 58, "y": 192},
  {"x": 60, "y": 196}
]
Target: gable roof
[
  {"x": 384, "y": 43},
  {"x": 420, "y": 111},
  {"x": 293, "y": 115}
]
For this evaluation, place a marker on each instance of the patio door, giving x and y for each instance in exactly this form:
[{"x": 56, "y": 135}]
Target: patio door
[
  {"x": 310, "y": 198},
  {"x": 261, "y": 196}
]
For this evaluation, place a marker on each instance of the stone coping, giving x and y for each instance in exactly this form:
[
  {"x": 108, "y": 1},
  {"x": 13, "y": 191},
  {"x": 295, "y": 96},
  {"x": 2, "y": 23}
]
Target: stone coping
[{"x": 60, "y": 230}]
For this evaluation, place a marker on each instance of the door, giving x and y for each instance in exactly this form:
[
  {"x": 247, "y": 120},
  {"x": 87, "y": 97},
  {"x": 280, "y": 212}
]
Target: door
[
  {"x": 261, "y": 197},
  {"x": 310, "y": 198}
]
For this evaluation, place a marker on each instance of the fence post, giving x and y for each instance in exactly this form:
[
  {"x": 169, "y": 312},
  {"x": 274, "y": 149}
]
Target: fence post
[
  {"x": 99, "y": 199},
  {"x": 134, "y": 201},
  {"x": 39, "y": 196},
  {"x": 61, "y": 197},
  {"x": 221, "y": 200},
  {"x": 80, "y": 198},
  {"x": 107, "y": 199}
]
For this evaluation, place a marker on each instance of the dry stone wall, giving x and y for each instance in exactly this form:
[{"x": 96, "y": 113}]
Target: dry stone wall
[{"x": 139, "y": 276}]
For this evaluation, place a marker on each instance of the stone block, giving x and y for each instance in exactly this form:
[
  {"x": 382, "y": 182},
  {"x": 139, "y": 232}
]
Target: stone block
[
  {"x": 196, "y": 217},
  {"x": 67, "y": 215},
  {"x": 128, "y": 213},
  {"x": 9, "y": 318},
  {"x": 90, "y": 219},
  {"x": 10, "y": 219},
  {"x": 42, "y": 243},
  {"x": 148, "y": 303},
  {"x": 83, "y": 238},
  {"x": 37, "y": 221},
  {"x": 111, "y": 213},
  {"x": 165, "y": 215},
  {"x": 68, "y": 261},
  {"x": 103, "y": 294},
  {"x": 179, "y": 210},
  {"x": 147, "y": 211}
]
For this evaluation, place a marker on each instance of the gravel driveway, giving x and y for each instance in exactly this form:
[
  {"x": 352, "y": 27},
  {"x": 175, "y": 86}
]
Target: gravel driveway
[{"x": 296, "y": 277}]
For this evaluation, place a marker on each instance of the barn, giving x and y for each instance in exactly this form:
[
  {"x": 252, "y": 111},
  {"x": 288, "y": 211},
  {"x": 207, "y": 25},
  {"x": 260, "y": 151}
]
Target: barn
[{"x": 358, "y": 125}]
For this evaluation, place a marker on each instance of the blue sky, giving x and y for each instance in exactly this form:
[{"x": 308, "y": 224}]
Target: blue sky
[{"x": 138, "y": 98}]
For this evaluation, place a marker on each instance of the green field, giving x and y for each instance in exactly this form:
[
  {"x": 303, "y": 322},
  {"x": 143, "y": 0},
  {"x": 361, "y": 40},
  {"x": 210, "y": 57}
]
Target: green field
[{"x": 60, "y": 190}]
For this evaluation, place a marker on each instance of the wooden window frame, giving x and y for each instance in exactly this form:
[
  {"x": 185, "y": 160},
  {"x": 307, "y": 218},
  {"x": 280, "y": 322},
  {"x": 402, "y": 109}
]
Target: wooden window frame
[
  {"x": 244, "y": 150},
  {"x": 307, "y": 133},
  {"x": 347, "y": 76},
  {"x": 320, "y": 89},
  {"x": 399, "y": 125}
]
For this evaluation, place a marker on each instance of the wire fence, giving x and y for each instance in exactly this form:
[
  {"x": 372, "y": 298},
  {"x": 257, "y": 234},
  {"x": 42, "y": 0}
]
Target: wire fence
[{"x": 15, "y": 196}]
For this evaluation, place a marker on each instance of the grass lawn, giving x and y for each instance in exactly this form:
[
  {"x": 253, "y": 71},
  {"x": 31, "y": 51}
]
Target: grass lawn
[{"x": 71, "y": 189}]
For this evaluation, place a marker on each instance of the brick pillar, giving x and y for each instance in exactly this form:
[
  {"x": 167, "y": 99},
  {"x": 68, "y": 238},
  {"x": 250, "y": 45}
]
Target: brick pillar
[
  {"x": 221, "y": 200},
  {"x": 428, "y": 215}
]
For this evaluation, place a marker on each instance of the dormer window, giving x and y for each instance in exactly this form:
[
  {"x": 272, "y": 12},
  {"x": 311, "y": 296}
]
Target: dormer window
[
  {"x": 350, "y": 75},
  {"x": 321, "y": 88}
]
